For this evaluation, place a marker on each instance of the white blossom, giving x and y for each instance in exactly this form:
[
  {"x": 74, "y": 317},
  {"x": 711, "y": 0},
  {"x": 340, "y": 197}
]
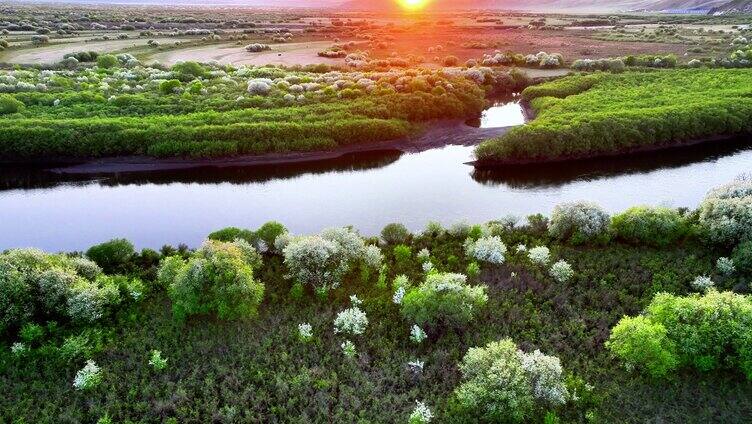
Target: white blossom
[
  {"x": 399, "y": 294},
  {"x": 702, "y": 283},
  {"x": 725, "y": 266},
  {"x": 488, "y": 249},
  {"x": 421, "y": 414},
  {"x": 352, "y": 321},
  {"x": 305, "y": 331},
  {"x": 417, "y": 335},
  {"x": 88, "y": 377},
  {"x": 561, "y": 271},
  {"x": 539, "y": 255}
]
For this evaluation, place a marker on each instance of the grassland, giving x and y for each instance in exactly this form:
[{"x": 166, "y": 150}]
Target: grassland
[{"x": 603, "y": 114}]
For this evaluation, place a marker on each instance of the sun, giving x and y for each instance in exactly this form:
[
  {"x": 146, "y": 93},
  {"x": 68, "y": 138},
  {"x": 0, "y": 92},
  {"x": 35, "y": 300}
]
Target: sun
[{"x": 413, "y": 4}]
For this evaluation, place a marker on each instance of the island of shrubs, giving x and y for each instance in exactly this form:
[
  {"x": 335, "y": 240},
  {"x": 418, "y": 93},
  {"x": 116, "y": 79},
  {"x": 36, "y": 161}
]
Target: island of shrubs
[
  {"x": 557, "y": 319},
  {"x": 120, "y": 107},
  {"x": 599, "y": 114}
]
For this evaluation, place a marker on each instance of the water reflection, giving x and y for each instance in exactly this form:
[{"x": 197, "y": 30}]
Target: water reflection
[
  {"x": 557, "y": 174},
  {"x": 504, "y": 112}
]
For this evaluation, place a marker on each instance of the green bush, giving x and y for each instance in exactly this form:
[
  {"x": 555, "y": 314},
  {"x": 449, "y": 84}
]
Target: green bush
[
  {"x": 705, "y": 332},
  {"x": 269, "y": 232},
  {"x": 9, "y": 104},
  {"x": 502, "y": 384},
  {"x": 742, "y": 258},
  {"x": 112, "y": 256},
  {"x": 231, "y": 234},
  {"x": 107, "y": 61},
  {"x": 444, "y": 301},
  {"x": 395, "y": 234},
  {"x": 654, "y": 226},
  {"x": 169, "y": 86},
  {"x": 643, "y": 344},
  {"x": 216, "y": 279}
]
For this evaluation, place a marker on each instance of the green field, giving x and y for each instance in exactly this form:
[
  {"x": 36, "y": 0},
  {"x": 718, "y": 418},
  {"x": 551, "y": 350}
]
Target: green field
[{"x": 603, "y": 114}]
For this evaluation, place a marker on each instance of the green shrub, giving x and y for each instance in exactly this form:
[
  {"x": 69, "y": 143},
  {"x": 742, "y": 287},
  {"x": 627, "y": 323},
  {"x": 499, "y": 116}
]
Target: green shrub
[
  {"x": 502, "y": 384},
  {"x": 402, "y": 255},
  {"x": 216, "y": 279},
  {"x": 395, "y": 234},
  {"x": 654, "y": 226},
  {"x": 269, "y": 232},
  {"x": 9, "y": 104},
  {"x": 742, "y": 258},
  {"x": 231, "y": 234},
  {"x": 443, "y": 300},
  {"x": 643, "y": 344},
  {"x": 112, "y": 256},
  {"x": 726, "y": 212},
  {"x": 706, "y": 332},
  {"x": 189, "y": 70},
  {"x": 107, "y": 61},
  {"x": 169, "y": 86}
]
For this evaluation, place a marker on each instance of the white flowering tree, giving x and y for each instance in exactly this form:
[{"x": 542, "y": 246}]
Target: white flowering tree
[
  {"x": 726, "y": 212},
  {"x": 579, "y": 222},
  {"x": 487, "y": 249}
]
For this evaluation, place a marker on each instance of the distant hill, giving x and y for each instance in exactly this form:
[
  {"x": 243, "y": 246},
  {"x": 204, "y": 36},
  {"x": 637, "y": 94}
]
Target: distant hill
[
  {"x": 734, "y": 6},
  {"x": 549, "y": 5}
]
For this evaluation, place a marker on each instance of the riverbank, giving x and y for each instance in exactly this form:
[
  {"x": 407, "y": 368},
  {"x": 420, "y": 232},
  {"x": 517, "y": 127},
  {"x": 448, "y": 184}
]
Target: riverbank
[{"x": 436, "y": 135}]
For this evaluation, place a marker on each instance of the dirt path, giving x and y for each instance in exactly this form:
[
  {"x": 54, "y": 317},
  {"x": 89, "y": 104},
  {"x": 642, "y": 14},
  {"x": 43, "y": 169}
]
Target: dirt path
[
  {"x": 232, "y": 54},
  {"x": 54, "y": 53}
]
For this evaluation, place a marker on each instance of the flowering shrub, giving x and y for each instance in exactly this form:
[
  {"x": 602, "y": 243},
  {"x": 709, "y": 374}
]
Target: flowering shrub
[
  {"x": 305, "y": 332},
  {"x": 707, "y": 332},
  {"x": 503, "y": 384},
  {"x": 648, "y": 225},
  {"x": 36, "y": 284},
  {"x": 702, "y": 283},
  {"x": 488, "y": 249},
  {"x": 421, "y": 414},
  {"x": 352, "y": 321},
  {"x": 322, "y": 261},
  {"x": 545, "y": 374},
  {"x": 561, "y": 271},
  {"x": 157, "y": 361},
  {"x": 88, "y": 377},
  {"x": 217, "y": 278},
  {"x": 417, "y": 335},
  {"x": 726, "y": 212},
  {"x": 443, "y": 300},
  {"x": 579, "y": 222},
  {"x": 348, "y": 349},
  {"x": 399, "y": 294},
  {"x": 372, "y": 257},
  {"x": 725, "y": 266},
  {"x": 424, "y": 255},
  {"x": 539, "y": 255}
]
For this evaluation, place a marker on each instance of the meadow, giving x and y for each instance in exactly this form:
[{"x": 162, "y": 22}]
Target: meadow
[
  {"x": 601, "y": 114},
  {"x": 578, "y": 310}
]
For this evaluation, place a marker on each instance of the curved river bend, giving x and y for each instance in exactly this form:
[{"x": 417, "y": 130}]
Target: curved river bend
[{"x": 367, "y": 190}]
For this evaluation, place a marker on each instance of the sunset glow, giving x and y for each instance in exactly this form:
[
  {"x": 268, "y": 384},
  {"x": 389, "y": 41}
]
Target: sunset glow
[{"x": 413, "y": 4}]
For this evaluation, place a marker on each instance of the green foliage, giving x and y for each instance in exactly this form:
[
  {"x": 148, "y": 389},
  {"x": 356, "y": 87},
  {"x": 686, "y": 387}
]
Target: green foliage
[
  {"x": 113, "y": 255},
  {"x": 597, "y": 114},
  {"x": 643, "y": 344},
  {"x": 269, "y": 232},
  {"x": 496, "y": 388},
  {"x": 107, "y": 61},
  {"x": 231, "y": 234},
  {"x": 742, "y": 258},
  {"x": 706, "y": 332},
  {"x": 189, "y": 70},
  {"x": 169, "y": 86},
  {"x": 9, "y": 104},
  {"x": 653, "y": 226},
  {"x": 395, "y": 234},
  {"x": 216, "y": 279},
  {"x": 444, "y": 301}
]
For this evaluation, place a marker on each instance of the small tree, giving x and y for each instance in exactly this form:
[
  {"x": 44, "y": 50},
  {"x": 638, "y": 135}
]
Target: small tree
[
  {"x": 217, "y": 278},
  {"x": 443, "y": 300}
]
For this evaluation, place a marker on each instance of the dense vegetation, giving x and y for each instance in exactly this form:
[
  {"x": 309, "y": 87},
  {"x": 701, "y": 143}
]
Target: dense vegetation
[
  {"x": 580, "y": 317},
  {"x": 122, "y": 108},
  {"x": 600, "y": 114}
]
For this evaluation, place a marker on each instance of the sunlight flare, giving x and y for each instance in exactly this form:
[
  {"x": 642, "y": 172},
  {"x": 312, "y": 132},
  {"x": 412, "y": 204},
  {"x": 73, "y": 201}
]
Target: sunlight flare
[{"x": 413, "y": 4}]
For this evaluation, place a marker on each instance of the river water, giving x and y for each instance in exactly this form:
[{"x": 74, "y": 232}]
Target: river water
[{"x": 366, "y": 190}]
